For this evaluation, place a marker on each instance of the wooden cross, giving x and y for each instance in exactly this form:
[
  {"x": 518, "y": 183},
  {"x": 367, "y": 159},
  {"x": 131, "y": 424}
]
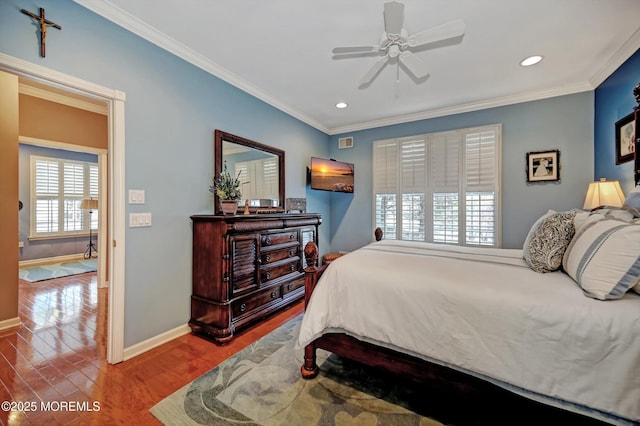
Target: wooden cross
[{"x": 43, "y": 28}]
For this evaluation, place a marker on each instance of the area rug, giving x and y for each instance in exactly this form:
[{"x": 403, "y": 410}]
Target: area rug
[
  {"x": 261, "y": 385},
  {"x": 57, "y": 270}
]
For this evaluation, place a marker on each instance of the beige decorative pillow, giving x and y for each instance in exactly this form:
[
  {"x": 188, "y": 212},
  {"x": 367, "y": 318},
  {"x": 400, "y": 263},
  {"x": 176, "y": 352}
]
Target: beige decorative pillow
[{"x": 547, "y": 240}]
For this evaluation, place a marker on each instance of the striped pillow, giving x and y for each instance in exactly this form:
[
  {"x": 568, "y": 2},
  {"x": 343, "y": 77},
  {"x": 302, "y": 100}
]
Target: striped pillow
[{"x": 604, "y": 259}]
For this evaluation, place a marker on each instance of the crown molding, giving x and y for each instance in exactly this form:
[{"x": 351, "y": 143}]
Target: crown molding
[
  {"x": 618, "y": 58},
  {"x": 469, "y": 107},
  {"x": 129, "y": 22}
]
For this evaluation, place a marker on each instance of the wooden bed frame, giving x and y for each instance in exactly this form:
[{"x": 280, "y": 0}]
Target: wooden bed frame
[{"x": 393, "y": 361}]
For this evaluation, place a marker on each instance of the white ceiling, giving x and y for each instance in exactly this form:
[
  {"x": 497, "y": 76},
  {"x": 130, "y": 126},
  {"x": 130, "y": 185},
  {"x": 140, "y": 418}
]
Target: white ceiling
[{"x": 280, "y": 51}]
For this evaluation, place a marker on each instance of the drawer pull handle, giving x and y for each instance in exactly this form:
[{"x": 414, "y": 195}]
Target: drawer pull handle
[
  {"x": 267, "y": 240},
  {"x": 291, "y": 236},
  {"x": 268, "y": 275},
  {"x": 292, "y": 252},
  {"x": 267, "y": 258},
  {"x": 243, "y": 307},
  {"x": 289, "y": 286},
  {"x": 274, "y": 294},
  {"x": 292, "y": 267}
]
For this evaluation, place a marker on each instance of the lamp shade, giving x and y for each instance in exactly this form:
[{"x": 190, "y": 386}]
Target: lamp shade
[
  {"x": 89, "y": 204},
  {"x": 603, "y": 193}
]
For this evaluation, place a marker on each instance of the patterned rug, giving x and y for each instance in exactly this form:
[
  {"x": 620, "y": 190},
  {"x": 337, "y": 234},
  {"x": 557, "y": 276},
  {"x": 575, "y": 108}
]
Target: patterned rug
[
  {"x": 261, "y": 385},
  {"x": 57, "y": 270}
]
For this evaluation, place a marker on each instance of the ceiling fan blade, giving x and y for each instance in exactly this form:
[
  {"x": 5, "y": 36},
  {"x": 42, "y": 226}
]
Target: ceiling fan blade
[
  {"x": 413, "y": 64},
  {"x": 393, "y": 17},
  {"x": 443, "y": 32},
  {"x": 375, "y": 69},
  {"x": 355, "y": 49}
]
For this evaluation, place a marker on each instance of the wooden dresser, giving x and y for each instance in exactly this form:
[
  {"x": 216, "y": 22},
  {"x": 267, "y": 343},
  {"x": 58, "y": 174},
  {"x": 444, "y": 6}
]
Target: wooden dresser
[{"x": 245, "y": 267}]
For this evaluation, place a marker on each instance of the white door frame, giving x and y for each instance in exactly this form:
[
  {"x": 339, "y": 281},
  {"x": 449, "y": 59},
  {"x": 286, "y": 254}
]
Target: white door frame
[{"x": 115, "y": 241}]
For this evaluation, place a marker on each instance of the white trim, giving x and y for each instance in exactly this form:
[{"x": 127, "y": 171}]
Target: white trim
[
  {"x": 117, "y": 221},
  {"x": 115, "y": 99},
  {"x": 61, "y": 99},
  {"x": 60, "y": 145},
  {"x": 469, "y": 107},
  {"x": 103, "y": 165},
  {"x": 154, "y": 342},
  {"x": 149, "y": 33},
  {"x": 10, "y": 323},
  {"x": 618, "y": 58},
  {"x": 50, "y": 260}
]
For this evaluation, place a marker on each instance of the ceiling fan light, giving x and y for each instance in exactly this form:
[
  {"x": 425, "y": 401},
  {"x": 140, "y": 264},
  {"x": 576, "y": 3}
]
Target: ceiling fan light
[
  {"x": 531, "y": 60},
  {"x": 341, "y": 105}
]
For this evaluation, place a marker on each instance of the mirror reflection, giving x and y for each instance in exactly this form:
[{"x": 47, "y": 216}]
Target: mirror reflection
[
  {"x": 260, "y": 168},
  {"x": 258, "y": 171}
]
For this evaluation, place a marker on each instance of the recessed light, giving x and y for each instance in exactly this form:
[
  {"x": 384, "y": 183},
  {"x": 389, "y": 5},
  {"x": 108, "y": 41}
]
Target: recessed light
[
  {"x": 531, "y": 60},
  {"x": 341, "y": 105}
]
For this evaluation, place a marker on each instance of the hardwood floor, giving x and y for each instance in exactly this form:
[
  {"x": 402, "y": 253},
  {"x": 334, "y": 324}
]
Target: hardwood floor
[{"x": 57, "y": 357}]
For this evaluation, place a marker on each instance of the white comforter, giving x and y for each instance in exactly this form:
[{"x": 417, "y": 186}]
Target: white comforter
[{"x": 485, "y": 312}]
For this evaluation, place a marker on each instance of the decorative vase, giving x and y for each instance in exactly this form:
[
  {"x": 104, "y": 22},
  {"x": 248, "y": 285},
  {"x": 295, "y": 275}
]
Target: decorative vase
[{"x": 229, "y": 207}]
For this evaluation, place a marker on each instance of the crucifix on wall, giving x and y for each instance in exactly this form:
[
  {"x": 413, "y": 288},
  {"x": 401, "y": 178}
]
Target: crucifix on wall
[{"x": 43, "y": 28}]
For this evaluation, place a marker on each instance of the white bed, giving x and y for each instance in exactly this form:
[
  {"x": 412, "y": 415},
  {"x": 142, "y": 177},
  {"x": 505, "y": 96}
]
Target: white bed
[{"x": 485, "y": 312}]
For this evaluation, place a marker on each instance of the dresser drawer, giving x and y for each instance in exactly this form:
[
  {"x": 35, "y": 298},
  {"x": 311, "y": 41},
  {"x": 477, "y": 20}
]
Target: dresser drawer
[
  {"x": 278, "y": 238},
  {"x": 245, "y": 305},
  {"x": 293, "y": 285},
  {"x": 279, "y": 270},
  {"x": 271, "y": 256}
]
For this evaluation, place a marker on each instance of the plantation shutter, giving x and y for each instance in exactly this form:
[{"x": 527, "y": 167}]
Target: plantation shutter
[
  {"x": 481, "y": 160},
  {"x": 440, "y": 187},
  {"x": 385, "y": 186},
  {"x": 46, "y": 177},
  {"x": 413, "y": 157},
  {"x": 446, "y": 149}
]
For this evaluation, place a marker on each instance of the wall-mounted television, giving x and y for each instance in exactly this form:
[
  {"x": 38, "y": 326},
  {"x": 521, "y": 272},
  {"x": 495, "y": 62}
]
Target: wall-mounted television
[{"x": 331, "y": 175}]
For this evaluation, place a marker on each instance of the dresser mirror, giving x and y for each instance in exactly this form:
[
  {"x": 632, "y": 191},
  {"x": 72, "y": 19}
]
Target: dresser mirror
[{"x": 261, "y": 169}]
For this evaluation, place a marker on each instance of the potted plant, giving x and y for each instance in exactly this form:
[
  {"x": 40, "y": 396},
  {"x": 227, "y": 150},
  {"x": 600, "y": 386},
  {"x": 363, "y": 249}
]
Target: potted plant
[{"x": 227, "y": 188}]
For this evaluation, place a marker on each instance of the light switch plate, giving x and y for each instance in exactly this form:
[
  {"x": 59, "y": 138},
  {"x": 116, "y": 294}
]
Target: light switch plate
[
  {"x": 136, "y": 196},
  {"x": 137, "y": 220}
]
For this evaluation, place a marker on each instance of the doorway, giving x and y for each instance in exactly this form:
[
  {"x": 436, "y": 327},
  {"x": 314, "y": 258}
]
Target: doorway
[{"x": 114, "y": 208}]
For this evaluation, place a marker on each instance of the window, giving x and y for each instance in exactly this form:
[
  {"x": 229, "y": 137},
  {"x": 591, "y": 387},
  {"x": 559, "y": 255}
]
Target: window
[
  {"x": 259, "y": 178},
  {"x": 440, "y": 187},
  {"x": 58, "y": 186}
]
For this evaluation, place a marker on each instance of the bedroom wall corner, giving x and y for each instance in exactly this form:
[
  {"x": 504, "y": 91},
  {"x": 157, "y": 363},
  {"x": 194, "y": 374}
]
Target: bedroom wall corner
[{"x": 613, "y": 101}]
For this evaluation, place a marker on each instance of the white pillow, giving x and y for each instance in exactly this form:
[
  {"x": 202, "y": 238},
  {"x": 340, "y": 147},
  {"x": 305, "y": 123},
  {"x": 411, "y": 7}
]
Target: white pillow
[
  {"x": 633, "y": 199},
  {"x": 604, "y": 259}
]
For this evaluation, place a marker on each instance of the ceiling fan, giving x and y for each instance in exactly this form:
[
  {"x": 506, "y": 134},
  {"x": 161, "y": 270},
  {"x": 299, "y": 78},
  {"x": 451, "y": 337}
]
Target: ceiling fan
[{"x": 396, "y": 43}]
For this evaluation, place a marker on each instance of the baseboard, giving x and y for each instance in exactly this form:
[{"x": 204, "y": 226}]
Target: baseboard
[
  {"x": 154, "y": 342},
  {"x": 50, "y": 260},
  {"x": 10, "y": 323}
]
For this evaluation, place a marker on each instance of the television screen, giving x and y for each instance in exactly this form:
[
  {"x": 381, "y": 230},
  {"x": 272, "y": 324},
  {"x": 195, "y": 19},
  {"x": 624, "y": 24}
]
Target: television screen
[{"x": 331, "y": 175}]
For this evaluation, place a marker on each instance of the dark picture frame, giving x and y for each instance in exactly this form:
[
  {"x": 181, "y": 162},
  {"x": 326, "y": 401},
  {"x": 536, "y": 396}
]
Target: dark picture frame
[
  {"x": 543, "y": 166},
  {"x": 625, "y": 131}
]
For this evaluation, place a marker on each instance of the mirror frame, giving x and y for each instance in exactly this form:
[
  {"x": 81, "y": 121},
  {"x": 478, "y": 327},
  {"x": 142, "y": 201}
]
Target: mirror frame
[{"x": 220, "y": 137}]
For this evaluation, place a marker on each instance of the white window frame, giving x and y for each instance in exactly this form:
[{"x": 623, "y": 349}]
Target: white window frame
[
  {"x": 90, "y": 189},
  {"x": 392, "y": 182}
]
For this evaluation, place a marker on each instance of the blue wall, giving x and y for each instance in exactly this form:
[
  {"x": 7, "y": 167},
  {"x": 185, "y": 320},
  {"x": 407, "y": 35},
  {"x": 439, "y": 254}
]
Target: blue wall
[
  {"x": 172, "y": 110},
  {"x": 613, "y": 101},
  {"x": 564, "y": 123},
  {"x": 41, "y": 248}
]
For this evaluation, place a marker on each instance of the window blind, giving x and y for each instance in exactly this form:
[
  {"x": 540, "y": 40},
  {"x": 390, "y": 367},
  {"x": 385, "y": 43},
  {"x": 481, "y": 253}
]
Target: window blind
[
  {"x": 447, "y": 184},
  {"x": 58, "y": 187}
]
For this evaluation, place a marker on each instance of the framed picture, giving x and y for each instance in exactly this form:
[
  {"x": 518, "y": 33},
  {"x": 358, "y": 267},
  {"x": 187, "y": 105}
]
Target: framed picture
[
  {"x": 625, "y": 132},
  {"x": 543, "y": 166}
]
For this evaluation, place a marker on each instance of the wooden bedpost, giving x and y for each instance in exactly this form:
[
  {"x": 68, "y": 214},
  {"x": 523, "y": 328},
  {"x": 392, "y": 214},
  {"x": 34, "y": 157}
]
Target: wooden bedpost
[
  {"x": 312, "y": 273},
  {"x": 378, "y": 234}
]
